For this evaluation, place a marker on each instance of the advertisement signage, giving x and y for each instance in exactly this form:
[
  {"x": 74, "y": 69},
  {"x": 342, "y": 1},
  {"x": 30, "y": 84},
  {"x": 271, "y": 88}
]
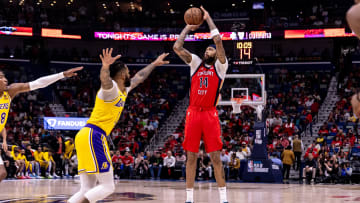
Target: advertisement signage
[
  {"x": 19, "y": 31},
  {"x": 140, "y": 36},
  {"x": 64, "y": 123}
]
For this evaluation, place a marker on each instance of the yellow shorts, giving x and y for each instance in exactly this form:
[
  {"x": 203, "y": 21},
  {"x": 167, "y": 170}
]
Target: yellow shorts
[{"x": 92, "y": 150}]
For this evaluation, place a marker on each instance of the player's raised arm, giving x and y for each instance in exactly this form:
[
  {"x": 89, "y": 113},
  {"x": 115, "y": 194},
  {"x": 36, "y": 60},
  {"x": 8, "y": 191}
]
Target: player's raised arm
[
  {"x": 215, "y": 35},
  {"x": 42, "y": 82},
  {"x": 178, "y": 47},
  {"x": 353, "y": 18},
  {"x": 145, "y": 72},
  {"x": 107, "y": 60}
]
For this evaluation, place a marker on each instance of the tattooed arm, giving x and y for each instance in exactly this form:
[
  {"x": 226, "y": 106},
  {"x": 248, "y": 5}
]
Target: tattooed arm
[
  {"x": 107, "y": 60},
  {"x": 145, "y": 72},
  {"x": 178, "y": 47},
  {"x": 220, "y": 51}
]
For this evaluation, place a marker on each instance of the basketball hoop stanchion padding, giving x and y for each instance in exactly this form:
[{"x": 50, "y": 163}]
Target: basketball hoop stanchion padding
[{"x": 259, "y": 167}]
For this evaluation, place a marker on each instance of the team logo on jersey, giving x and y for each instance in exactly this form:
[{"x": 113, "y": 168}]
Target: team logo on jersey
[
  {"x": 120, "y": 103},
  {"x": 62, "y": 198},
  {"x": 104, "y": 165},
  {"x": 4, "y": 106}
]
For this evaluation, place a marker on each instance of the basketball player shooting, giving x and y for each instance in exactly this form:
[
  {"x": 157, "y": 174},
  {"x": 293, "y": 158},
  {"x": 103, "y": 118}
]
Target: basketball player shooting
[
  {"x": 94, "y": 161},
  {"x": 7, "y": 93},
  {"x": 353, "y": 18},
  {"x": 202, "y": 120}
]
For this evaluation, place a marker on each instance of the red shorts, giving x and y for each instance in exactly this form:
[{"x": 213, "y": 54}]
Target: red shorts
[{"x": 202, "y": 123}]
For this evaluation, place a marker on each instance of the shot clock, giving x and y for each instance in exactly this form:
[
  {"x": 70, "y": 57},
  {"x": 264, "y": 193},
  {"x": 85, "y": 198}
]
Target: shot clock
[{"x": 243, "y": 53}]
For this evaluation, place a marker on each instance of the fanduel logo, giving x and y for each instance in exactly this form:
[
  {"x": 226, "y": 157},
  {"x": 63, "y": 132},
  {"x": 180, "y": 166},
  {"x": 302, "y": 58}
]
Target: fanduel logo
[{"x": 52, "y": 122}]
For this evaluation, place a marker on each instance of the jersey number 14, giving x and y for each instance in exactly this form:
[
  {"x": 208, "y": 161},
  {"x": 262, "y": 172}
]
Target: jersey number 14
[{"x": 204, "y": 82}]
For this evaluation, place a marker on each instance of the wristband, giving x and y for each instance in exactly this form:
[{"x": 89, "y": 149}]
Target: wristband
[{"x": 214, "y": 32}]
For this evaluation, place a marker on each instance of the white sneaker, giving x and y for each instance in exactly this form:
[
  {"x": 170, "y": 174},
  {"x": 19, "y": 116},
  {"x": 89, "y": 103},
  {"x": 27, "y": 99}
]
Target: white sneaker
[{"x": 312, "y": 182}]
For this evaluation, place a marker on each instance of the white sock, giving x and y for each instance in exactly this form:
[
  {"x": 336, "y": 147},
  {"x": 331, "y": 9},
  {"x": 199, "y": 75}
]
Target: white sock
[
  {"x": 190, "y": 194},
  {"x": 222, "y": 192}
]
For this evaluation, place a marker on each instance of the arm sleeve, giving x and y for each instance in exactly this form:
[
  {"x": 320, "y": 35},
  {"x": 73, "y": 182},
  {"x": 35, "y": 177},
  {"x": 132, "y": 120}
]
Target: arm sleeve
[
  {"x": 194, "y": 64},
  {"x": 109, "y": 94},
  {"x": 45, "y": 81},
  {"x": 221, "y": 68}
]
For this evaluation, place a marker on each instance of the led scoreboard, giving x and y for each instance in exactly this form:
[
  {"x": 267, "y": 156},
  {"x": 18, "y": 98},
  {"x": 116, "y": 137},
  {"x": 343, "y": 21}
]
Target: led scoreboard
[{"x": 243, "y": 53}]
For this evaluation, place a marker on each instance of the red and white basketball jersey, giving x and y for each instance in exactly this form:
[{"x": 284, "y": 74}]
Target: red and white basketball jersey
[{"x": 206, "y": 82}]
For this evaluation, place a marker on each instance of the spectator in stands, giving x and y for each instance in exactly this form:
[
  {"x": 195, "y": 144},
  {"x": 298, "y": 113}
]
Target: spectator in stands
[
  {"x": 277, "y": 121},
  {"x": 128, "y": 162},
  {"x": 288, "y": 159},
  {"x": 334, "y": 129},
  {"x": 204, "y": 170},
  {"x": 169, "y": 165},
  {"x": 320, "y": 140},
  {"x": 225, "y": 159},
  {"x": 275, "y": 160},
  {"x": 118, "y": 165},
  {"x": 297, "y": 146},
  {"x": 181, "y": 163},
  {"x": 336, "y": 144},
  {"x": 234, "y": 167},
  {"x": 332, "y": 170},
  {"x": 156, "y": 163},
  {"x": 309, "y": 120},
  {"x": 245, "y": 150},
  {"x": 346, "y": 172},
  {"x": 310, "y": 167},
  {"x": 36, "y": 143},
  {"x": 141, "y": 166}
]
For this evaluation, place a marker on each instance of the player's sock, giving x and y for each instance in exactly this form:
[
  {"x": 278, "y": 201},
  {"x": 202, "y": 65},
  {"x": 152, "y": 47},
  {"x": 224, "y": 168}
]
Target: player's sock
[
  {"x": 222, "y": 192},
  {"x": 189, "y": 194}
]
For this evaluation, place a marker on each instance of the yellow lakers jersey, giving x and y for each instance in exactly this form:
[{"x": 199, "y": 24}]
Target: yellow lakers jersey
[
  {"x": 5, "y": 101},
  {"x": 106, "y": 114}
]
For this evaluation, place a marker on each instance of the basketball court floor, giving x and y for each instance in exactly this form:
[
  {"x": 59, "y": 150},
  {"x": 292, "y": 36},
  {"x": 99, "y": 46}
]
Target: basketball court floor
[{"x": 52, "y": 191}]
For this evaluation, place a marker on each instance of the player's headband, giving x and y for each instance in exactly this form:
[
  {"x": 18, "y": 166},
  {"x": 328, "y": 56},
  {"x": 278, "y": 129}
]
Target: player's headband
[{"x": 213, "y": 46}]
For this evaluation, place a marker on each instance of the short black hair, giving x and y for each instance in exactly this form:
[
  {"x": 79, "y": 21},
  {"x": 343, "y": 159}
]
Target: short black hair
[{"x": 116, "y": 67}]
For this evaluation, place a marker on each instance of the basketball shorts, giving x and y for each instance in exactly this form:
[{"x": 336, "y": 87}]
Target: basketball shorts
[
  {"x": 1, "y": 161},
  {"x": 92, "y": 150},
  {"x": 202, "y": 123}
]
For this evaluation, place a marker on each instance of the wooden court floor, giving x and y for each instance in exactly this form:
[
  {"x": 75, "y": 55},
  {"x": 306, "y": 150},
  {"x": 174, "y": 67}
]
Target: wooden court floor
[{"x": 52, "y": 191}]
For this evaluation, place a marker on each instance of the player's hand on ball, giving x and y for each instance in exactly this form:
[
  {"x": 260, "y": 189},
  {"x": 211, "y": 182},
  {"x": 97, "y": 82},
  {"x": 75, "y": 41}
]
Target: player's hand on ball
[
  {"x": 193, "y": 27},
  {"x": 106, "y": 57},
  {"x": 72, "y": 72},
  {"x": 160, "y": 60},
  {"x": 355, "y": 103},
  {"x": 206, "y": 14}
]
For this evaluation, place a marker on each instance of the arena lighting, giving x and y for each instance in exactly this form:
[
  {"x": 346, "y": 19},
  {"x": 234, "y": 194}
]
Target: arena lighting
[
  {"x": 317, "y": 33},
  {"x": 140, "y": 36},
  {"x": 19, "y": 31},
  {"x": 57, "y": 33}
]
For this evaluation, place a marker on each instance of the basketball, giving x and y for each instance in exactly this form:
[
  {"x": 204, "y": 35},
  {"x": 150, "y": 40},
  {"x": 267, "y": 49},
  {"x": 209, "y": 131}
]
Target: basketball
[{"x": 193, "y": 16}]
